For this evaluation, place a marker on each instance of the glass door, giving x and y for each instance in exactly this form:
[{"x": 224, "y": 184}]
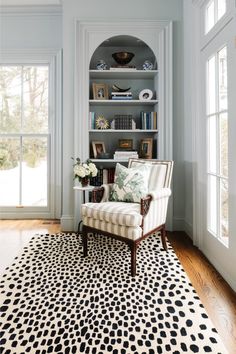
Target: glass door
[{"x": 216, "y": 219}]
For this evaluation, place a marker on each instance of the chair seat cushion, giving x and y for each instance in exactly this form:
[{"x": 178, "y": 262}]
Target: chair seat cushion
[
  {"x": 120, "y": 213},
  {"x": 130, "y": 232}
]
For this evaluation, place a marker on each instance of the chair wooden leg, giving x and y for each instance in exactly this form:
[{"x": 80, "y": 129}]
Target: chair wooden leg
[
  {"x": 85, "y": 241},
  {"x": 163, "y": 238},
  {"x": 133, "y": 248}
]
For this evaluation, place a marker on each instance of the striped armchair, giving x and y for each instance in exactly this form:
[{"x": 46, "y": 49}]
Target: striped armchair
[{"x": 130, "y": 222}]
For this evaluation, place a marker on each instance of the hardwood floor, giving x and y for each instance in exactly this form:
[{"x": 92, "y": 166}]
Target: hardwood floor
[
  {"x": 15, "y": 235},
  {"x": 217, "y": 297}
]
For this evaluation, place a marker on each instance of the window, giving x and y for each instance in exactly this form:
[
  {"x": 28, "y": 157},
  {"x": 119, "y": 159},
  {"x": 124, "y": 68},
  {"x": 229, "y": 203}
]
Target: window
[
  {"x": 214, "y": 10},
  {"x": 24, "y": 135},
  {"x": 217, "y": 142}
]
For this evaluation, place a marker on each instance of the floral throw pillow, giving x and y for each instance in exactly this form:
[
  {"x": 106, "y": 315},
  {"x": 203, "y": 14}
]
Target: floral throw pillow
[{"x": 130, "y": 184}]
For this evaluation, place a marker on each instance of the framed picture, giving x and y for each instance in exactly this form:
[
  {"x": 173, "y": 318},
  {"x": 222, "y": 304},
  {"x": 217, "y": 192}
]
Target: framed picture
[
  {"x": 126, "y": 144},
  {"x": 102, "y": 123},
  {"x": 145, "y": 95},
  {"x": 100, "y": 91},
  {"x": 98, "y": 148},
  {"x": 146, "y": 148}
]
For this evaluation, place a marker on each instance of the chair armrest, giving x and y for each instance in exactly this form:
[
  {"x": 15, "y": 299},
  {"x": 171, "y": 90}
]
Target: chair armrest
[
  {"x": 101, "y": 194},
  {"x": 145, "y": 204},
  {"x": 161, "y": 193},
  {"x": 152, "y": 196}
]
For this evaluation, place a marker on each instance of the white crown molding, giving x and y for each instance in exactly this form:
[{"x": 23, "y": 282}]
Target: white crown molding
[
  {"x": 43, "y": 10},
  {"x": 30, "y": 2},
  {"x": 37, "y": 55}
]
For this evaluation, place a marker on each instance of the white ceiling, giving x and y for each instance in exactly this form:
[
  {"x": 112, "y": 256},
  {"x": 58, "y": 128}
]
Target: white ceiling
[{"x": 29, "y": 2}]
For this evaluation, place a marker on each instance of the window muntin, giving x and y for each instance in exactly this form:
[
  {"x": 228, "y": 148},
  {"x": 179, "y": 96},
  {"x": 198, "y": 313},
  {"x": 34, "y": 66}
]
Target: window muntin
[
  {"x": 211, "y": 80},
  {"x": 217, "y": 144}
]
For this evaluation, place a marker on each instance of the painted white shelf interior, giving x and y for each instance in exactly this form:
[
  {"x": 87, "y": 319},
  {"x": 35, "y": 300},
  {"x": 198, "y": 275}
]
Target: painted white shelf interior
[{"x": 133, "y": 80}]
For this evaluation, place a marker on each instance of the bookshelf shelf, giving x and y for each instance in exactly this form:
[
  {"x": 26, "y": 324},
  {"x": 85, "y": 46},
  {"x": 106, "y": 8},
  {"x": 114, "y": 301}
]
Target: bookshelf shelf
[
  {"x": 102, "y": 131},
  {"x": 122, "y": 102},
  {"x": 122, "y": 74},
  {"x": 108, "y": 160}
]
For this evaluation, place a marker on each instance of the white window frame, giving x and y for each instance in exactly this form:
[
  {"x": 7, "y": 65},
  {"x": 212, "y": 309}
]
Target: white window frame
[
  {"x": 217, "y": 174},
  {"x": 52, "y": 58},
  {"x": 216, "y": 19},
  {"x": 205, "y": 38}
]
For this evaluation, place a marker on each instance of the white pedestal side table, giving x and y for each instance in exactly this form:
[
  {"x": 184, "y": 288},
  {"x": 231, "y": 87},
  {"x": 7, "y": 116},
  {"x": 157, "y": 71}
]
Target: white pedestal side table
[{"x": 84, "y": 190}]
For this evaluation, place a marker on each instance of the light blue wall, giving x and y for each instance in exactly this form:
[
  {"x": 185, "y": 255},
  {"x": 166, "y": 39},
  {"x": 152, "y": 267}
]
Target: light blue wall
[
  {"x": 133, "y": 9},
  {"x": 42, "y": 28},
  {"x": 28, "y": 28}
]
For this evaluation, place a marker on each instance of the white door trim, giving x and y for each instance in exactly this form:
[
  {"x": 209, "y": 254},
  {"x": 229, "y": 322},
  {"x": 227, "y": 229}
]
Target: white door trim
[
  {"x": 89, "y": 34},
  {"x": 53, "y": 58}
]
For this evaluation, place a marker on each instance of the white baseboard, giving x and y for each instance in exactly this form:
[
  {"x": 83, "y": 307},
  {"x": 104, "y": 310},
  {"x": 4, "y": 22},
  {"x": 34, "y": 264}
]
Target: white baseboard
[
  {"x": 225, "y": 275},
  {"x": 67, "y": 223},
  {"x": 178, "y": 224},
  {"x": 188, "y": 228}
]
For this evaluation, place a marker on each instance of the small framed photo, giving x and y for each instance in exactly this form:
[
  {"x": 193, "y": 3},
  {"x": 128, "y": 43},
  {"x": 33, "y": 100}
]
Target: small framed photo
[
  {"x": 98, "y": 148},
  {"x": 100, "y": 91},
  {"x": 146, "y": 148},
  {"x": 126, "y": 144}
]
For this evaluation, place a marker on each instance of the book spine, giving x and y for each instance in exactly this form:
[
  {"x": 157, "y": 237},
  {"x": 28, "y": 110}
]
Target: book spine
[
  {"x": 92, "y": 120},
  {"x": 105, "y": 176}
]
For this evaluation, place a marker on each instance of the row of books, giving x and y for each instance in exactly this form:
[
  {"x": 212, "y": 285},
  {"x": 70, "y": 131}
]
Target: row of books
[
  {"x": 125, "y": 154},
  {"x": 104, "y": 176},
  {"x": 148, "y": 120},
  {"x": 126, "y": 122}
]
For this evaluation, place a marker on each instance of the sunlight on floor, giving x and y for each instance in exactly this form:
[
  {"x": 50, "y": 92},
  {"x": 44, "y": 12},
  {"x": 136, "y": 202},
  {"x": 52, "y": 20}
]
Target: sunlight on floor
[{"x": 16, "y": 234}]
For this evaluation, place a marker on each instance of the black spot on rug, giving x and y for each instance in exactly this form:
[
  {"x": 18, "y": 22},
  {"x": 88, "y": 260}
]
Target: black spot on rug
[{"x": 55, "y": 301}]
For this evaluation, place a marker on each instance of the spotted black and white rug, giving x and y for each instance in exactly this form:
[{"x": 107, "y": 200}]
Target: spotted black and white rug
[{"x": 55, "y": 301}]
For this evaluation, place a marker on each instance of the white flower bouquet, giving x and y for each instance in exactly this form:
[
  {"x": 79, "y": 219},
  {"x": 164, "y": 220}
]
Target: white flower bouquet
[{"x": 83, "y": 171}]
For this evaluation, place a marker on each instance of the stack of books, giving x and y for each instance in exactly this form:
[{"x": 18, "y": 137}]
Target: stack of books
[
  {"x": 121, "y": 95},
  {"x": 121, "y": 67},
  {"x": 125, "y": 154},
  {"x": 123, "y": 121}
]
